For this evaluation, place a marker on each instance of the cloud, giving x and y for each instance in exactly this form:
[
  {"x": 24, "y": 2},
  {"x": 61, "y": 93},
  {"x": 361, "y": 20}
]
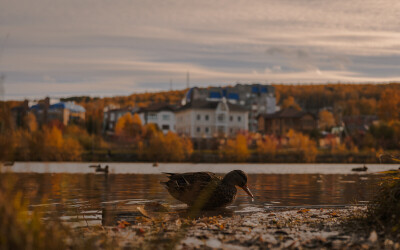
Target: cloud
[{"x": 137, "y": 45}]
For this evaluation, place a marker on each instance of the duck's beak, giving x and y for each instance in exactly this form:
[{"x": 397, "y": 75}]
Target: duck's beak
[{"x": 247, "y": 190}]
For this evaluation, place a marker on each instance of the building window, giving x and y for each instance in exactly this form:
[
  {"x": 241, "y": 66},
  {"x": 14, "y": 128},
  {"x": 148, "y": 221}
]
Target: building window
[
  {"x": 198, "y": 129},
  {"x": 165, "y": 117},
  {"x": 198, "y": 117},
  {"x": 165, "y": 127},
  {"x": 206, "y": 117},
  {"x": 152, "y": 116},
  {"x": 206, "y": 129},
  {"x": 221, "y": 117},
  {"x": 231, "y": 118},
  {"x": 239, "y": 118},
  {"x": 112, "y": 117}
]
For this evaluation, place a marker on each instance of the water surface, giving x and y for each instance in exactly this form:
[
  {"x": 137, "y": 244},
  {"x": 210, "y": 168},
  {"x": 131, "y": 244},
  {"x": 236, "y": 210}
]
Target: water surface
[{"x": 75, "y": 188}]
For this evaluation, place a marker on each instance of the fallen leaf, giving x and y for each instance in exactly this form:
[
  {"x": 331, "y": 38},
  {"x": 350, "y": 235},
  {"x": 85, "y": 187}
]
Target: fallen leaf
[
  {"x": 140, "y": 231},
  {"x": 122, "y": 224},
  {"x": 302, "y": 211}
]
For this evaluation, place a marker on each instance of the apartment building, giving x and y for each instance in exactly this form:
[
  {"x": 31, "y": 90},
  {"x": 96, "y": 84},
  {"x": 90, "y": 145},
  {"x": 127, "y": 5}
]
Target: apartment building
[
  {"x": 257, "y": 99},
  {"x": 209, "y": 119}
]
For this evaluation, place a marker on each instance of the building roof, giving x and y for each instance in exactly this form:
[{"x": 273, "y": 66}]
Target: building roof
[
  {"x": 287, "y": 113},
  {"x": 71, "y": 106},
  {"x": 157, "y": 107},
  {"x": 201, "y": 104}
]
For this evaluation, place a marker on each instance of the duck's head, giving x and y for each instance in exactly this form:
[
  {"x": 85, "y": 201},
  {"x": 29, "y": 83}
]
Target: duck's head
[{"x": 238, "y": 178}]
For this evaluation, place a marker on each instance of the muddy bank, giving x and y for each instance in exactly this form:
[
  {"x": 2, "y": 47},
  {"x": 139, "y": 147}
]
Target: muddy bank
[{"x": 299, "y": 228}]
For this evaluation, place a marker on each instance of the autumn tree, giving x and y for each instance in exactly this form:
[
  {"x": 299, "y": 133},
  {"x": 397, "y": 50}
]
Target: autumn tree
[
  {"x": 30, "y": 122},
  {"x": 290, "y": 103},
  {"x": 169, "y": 147},
  {"x": 266, "y": 145},
  {"x": 302, "y": 144},
  {"x": 389, "y": 105},
  {"x": 236, "y": 149},
  {"x": 326, "y": 119},
  {"x": 129, "y": 126}
]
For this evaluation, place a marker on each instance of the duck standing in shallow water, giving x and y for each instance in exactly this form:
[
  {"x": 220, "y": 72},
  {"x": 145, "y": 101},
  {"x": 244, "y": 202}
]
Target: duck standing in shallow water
[{"x": 205, "y": 190}]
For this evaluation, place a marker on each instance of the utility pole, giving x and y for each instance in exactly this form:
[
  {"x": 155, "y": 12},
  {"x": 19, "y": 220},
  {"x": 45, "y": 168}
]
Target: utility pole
[{"x": 187, "y": 80}]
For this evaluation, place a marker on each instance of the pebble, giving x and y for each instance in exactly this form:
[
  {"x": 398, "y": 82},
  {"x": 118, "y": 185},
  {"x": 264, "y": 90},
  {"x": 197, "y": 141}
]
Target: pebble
[{"x": 213, "y": 243}]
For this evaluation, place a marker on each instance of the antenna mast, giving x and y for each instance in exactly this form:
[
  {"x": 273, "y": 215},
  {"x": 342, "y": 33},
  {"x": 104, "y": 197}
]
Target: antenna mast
[{"x": 187, "y": 80}]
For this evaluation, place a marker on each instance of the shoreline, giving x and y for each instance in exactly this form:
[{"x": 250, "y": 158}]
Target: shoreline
[{"x": 294, "y": 228}]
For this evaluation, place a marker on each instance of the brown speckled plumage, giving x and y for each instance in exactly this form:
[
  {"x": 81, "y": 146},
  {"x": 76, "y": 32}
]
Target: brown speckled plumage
[{"x": 205, "y": 190}]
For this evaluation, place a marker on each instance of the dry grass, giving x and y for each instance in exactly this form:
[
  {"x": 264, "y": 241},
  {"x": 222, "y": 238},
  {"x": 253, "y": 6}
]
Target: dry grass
[{"x": 21, "y": 228}]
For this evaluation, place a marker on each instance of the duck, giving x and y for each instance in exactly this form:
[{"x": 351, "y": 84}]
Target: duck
[
  {"x": 364, "y": 168},
  {"x": 205, "y": 190},
  {"x": 104, "y": 170}
]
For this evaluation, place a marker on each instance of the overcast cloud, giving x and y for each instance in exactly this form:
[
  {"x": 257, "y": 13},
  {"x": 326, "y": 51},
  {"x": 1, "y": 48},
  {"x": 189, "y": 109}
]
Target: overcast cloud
[{"x": 103, "y": 48}]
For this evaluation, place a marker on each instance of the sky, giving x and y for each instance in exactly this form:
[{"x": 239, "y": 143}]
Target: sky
[{"x": 104, "y": 48}]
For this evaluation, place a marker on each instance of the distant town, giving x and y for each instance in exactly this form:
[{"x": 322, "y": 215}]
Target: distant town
[{"x": 274, "y": 122}]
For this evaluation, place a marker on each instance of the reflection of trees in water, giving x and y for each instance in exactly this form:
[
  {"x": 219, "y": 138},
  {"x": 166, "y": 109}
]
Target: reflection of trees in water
[{"x": 288, "y": 189}]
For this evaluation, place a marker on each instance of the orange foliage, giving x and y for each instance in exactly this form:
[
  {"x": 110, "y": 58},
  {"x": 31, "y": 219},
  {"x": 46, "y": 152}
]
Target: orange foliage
[
  {"x": 290, "y": 103},
  {"x": 236, "y": 150},
  {"x": 302, "y": 144},
  {"x": 326, "y": 119},
  {"x": 389, "y": 105},
  {"x": 266, "y": 145},
  {"x": 128, "y": 125},
  {"x": 169, "y": 147}
]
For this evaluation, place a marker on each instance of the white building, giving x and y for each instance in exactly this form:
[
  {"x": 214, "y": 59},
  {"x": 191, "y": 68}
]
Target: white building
[
  {"x": 205, "y": 119},
  {"x": 160, "y": 114},
  {"x": 255, "y": 98}
]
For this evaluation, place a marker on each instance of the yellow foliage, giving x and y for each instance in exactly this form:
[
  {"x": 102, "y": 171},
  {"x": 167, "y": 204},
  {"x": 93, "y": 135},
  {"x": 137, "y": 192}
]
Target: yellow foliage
[
  {"x": 389, "y": 105},
  {"x": 303, "y": 144},
  {"x": 290, "y": 103},
  {"x": 169, "y": 147},
  {"x": 236, "y": 150},
  {"x": 326, "y": 119},
  {"x": 128, "y": 125},
  {"x": 267, "y": 145},
  {"x": 31, "y": 123},
  {"x": 72, "y": 150}
]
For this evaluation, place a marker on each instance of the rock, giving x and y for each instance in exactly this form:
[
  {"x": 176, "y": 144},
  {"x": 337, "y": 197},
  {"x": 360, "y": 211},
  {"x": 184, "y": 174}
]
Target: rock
[
  {"x": 213, "y": 243},
  {"x": 249, "y": 224},
  {"x": 281, "y": 232},
  {"x": 269, "y": 238},
  {"x": 373, "y": 237}
]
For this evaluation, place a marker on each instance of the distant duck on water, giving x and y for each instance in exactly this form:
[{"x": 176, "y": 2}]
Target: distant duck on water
[
  {"x": 361, "y": 169},
  {"x": 205, "y": 190},
  {"x": 102, "y": 170}
]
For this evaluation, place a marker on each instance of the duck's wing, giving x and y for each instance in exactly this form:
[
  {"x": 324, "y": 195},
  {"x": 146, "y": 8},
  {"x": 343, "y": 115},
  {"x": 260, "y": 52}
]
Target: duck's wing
[
  {"x": 193, "y": 178},
  {"x": 187, "y": 186}
]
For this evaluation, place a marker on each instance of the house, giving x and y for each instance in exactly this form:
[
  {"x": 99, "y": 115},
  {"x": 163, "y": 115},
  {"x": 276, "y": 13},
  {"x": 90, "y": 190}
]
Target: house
[
  {"x": 282, "y": 121},
  {"x": 19, "y": 113},
  {"x": 209, "y": 119},
  {"x": 66, "y": 112},
  {"x": 359, "y": 123},
  {"x": 111, "y": 116},
  {"x": 161, "y": 114},
  {"x": 255, "y": 98}
]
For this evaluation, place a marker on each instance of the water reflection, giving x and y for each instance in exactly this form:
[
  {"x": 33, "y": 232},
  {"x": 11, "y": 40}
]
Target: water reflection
[{"x": 89, "y": 194}]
